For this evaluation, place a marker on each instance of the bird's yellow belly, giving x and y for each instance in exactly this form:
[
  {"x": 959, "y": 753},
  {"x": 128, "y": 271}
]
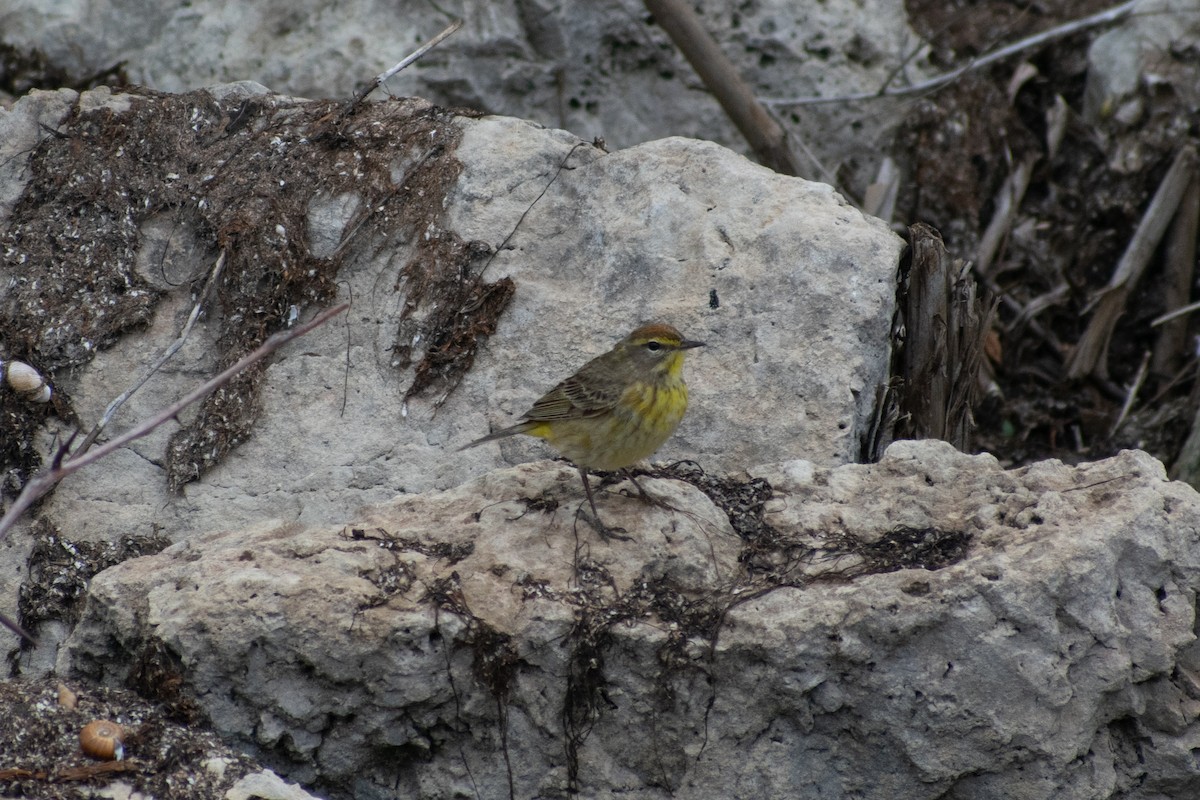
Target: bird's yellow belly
[{"x": 642, "y": 420}]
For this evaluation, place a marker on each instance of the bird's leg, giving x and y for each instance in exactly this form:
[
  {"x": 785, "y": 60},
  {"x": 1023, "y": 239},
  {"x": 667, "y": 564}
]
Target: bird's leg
[
  {"x": 654, "y": 501},
  {"x": 625, "y": 471},
  {"x": 605, "y": 531}
]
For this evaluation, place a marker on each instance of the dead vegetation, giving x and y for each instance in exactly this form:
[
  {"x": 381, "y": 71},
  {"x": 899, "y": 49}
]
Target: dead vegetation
[
  {"x": 233, "y": 176},
  {"x": 1045, "y": 191},
  {"x": 164, "y": 757}
]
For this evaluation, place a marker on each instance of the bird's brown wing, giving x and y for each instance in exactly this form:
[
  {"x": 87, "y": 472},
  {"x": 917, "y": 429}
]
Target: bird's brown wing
[{"x": 579, "y": 396}]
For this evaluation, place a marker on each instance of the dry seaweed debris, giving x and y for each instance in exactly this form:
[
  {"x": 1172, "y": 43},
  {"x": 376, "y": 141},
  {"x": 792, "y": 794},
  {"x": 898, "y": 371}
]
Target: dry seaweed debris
[
  {"x": 41, "y": 756},
  {"x": 59, "y": 571},
  {"x": 238, "y": 175}
]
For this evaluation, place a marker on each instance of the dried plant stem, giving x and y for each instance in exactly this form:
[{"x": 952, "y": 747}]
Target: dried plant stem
[
  {"x": 880, "y": 197},
  {"x": 1105, "y": 17},
  {"x": 1090, "y": 354},
  {"x": 95, "y": 432},
  {"x": 944, "y": 347},
  {"x": 406, "y": 61},
  {"x": 1008, "y": 200},
  {"x": 65, "y": 463},
  {"x": 765, "y": 135},
  {"x": 1132, "y": 394},
  {"x": 1170, "y": 346}
]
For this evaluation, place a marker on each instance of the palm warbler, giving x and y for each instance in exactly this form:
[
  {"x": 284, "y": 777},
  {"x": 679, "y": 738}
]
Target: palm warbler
[{"x": 618, "y": 409}]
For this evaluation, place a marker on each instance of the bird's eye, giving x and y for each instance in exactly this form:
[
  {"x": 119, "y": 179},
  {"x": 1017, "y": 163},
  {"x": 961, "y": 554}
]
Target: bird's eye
[{"x": 653, "y": 347}]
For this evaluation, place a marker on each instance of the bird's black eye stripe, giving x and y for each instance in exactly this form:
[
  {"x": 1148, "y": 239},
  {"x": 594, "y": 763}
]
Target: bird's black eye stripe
[{"x": 653, "y": 346}]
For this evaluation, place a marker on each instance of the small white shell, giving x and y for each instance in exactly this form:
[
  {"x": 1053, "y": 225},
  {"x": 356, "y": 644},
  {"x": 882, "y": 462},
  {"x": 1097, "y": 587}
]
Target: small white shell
[
  {"x": 66, "y": 697},
  {"x": 26, "y": 381}
]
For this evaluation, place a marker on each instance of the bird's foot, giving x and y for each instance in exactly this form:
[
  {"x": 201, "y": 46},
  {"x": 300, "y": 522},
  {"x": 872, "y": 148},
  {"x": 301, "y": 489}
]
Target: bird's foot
[
  {"x": 646, "y": 496},
  {"x": 607, "y": 533}
]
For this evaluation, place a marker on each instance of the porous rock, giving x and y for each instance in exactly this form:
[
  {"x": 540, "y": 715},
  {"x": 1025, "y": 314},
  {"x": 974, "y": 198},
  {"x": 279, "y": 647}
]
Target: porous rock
[
  {"x": 1137, "y": 53},
  {"x": 931, "y": 626},
  {"x": 596, "y": 69},
  {"x": 791, "y": 287}
]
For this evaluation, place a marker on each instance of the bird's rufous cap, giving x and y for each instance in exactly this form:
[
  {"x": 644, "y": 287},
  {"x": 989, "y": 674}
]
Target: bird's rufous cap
[{"x": 661, "y": 330}]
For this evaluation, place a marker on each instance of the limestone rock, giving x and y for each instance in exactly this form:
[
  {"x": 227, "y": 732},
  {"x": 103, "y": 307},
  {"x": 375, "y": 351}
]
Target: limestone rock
[
  {"x": 791, "y": 288},
  {"x": 1136, "y": 51},
  {"x": 929, "y": 626},
  {"x": 334, "y": 645},
  {"x": 1131, "y": 67},
  {"x": 595, "y": 69}
]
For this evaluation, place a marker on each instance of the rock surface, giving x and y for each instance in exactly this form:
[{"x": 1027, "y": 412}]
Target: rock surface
[
  {"x": 791, "y": 288},
  {"x": 928, "y": 627},
  {"x": 1138, "y": 51},
  {"x": 596, "y": 69}
]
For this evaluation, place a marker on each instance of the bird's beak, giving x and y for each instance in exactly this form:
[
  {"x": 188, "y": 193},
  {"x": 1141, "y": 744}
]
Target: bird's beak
[{"x": 688, "y": 344}]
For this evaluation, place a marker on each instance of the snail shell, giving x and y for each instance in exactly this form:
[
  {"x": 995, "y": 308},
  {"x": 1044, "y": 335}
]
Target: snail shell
[
  {"x": 26, "y": 382},
  {"x": 103, "y": 739},
  {"x": 66, "y": 697}
]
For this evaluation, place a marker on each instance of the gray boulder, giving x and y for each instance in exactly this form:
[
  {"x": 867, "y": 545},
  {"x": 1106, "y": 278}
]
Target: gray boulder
[
  {"x": 597, "y": 69},
  {"x": 791, "y": 288},
  {"x": 930, "y": 626}
]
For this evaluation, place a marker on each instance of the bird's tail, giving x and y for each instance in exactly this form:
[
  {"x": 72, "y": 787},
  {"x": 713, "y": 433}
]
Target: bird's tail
[{"x": 520, "y": 427}]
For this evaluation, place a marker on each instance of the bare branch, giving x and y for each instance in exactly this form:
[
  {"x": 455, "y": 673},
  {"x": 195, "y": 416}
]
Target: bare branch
[
  {"x": 763, "y": 133},
  {"x": 64, "y": 465},
  {"x": 1008, "y": 201},
  {"x": 1091, "y": 352},
  {"x": 17, "y": 629},
  {"x": 408, "y": 60},
  {"x": 1113, "y": 14},
  {"x": 157, "y": 365},
  {"x": 1180, "y": 255},
  {"x": 1131, "y": 395}
]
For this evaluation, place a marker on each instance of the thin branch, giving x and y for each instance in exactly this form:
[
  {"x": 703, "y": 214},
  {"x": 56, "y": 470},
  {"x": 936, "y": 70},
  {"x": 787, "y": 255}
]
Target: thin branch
[
  {"x": 1008, "y": 201},
  {"x": 420, "y": 51},
  {"x": 1025, "y": 314},
  {"x": 1170, "y": 315},
  {"x": 18, "y": 630},
  {"x": 157, "y": 365},
  {"x": 1114, "y": 14},
  {"x": 1091, "y": 352},
  {"x": 1131, "y": 396},
  {"x": 64, "y": 465},
  {"x": 1170, "y": 347},
  {"x": 762, "y": 132}
]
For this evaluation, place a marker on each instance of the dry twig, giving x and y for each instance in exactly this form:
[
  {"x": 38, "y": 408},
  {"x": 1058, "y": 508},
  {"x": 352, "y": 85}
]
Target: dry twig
[
  {"x": 1114, "y": 14},
  {"x": 407, "y": 61},
  {"x": 1008, "y": 200},
  {"x": 65, "y": 463},
  {"x": 1090, "y": 354},
  {"x": 90, "y": 439},
  {"x": 1180, "y": 268},
  {"x": 765, "y": 135},
  {"x": 1131, "y": 395}
]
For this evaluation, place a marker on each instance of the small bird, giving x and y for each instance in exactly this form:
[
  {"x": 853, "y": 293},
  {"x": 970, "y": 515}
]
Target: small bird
[{"x": 616, "y": 410}]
